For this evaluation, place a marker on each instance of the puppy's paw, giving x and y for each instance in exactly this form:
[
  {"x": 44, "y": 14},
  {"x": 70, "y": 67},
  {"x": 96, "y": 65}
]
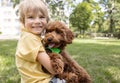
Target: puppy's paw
[
  {"x": 58, "y": 65},
  {"x": 72, "y": 78},
  {"x": 55, "y": 56}
]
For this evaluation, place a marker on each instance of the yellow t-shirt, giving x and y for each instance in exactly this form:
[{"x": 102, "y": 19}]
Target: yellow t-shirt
[{"x": 27, "y": 49}]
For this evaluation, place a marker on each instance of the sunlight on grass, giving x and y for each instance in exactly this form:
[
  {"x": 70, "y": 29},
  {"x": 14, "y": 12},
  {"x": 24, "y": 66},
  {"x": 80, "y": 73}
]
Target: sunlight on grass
[
  {"x": 116, "y": 56},
  {"x": 75, "y": 56},
  {"x": 3, "y": 63},
  {"x": 84, "y": 41},
  {"x": 2, "y": 60},
  {"x": 106, "y": 42},
  {"x": 97, "y": 57},
  {"x": 115, "y": 72}
]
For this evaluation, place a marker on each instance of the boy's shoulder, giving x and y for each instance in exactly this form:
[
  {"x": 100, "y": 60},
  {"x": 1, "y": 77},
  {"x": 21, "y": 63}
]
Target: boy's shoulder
[{"x": 29, "y": 35}]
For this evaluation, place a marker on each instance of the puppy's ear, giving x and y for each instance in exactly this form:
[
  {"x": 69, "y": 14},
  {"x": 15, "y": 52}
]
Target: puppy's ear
[{"x": 69, "y": 36}]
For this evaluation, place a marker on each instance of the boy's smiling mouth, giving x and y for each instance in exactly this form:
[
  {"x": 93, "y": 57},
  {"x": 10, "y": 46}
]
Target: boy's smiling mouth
[{"x": 36, "y": 26}]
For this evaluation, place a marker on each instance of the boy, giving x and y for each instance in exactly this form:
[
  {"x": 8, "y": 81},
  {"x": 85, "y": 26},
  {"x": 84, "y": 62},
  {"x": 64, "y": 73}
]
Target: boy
[{"x": 30, "y": 54}]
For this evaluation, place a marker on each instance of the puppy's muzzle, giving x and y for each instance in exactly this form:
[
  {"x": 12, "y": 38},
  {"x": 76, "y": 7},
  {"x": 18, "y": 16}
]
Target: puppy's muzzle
[{"x": 49, "y": 39}]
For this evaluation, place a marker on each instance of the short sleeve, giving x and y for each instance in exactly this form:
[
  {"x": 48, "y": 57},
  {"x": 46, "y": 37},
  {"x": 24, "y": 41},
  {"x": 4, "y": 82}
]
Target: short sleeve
[{"x": 28, "y": 47}]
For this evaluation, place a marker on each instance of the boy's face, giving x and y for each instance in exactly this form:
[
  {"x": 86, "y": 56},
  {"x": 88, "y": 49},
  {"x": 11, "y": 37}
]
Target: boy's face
[{"x": 35, "y": 22}]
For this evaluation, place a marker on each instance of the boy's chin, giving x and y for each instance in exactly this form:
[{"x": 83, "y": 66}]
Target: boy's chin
[{"x": 37, "y": 32}]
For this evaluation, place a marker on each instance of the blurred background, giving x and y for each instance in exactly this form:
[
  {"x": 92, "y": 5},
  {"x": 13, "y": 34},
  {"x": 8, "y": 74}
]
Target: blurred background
[
  {"x": 95, "y": 23},
  {"x": 86, "y": 18},
  {"x": 9, "y": 23}
]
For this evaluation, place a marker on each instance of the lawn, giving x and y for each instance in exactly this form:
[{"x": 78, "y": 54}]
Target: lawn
[
  {"x": 101, "y": 58},
  {"x": 8, "y": 71}
]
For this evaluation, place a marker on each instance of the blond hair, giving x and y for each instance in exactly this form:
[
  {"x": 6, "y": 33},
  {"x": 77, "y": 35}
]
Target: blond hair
[{"x": 32, "y": 6}]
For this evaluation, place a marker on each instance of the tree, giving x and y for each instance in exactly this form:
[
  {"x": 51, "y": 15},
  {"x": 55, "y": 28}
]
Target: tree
[
  {"x": 15, "y": 2},
  {"x": 98, "y": 17},
  {"x": 81, "y": 17},
  {"x": 116, "y": 16},
  {"x": 112, "y": 12},
  {"x": 57, "y": 9}
]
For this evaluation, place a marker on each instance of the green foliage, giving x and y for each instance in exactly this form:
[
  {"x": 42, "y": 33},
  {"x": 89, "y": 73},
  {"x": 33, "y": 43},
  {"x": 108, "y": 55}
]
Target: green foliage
[
  {"x": 112, "y": 13},
  {"x": 98, "y": 17},
  {"x": 57, "y": 9},
  {"x": 81, "y": 16},
  {"x": 15, "y": 2},
  {"x": 118, "y": 1},
  {"x": 116, "y": 14}
]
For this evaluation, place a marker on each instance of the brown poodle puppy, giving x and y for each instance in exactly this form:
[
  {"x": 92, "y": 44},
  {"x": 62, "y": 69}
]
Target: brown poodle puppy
[{"x": 57, "y": 36}]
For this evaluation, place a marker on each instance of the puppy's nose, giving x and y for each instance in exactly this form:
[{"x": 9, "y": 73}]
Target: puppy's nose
[{"x": 49, "y": 39}]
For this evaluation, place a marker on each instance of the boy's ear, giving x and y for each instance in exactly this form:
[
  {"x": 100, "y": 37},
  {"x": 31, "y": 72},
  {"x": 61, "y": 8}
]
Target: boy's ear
[{"x": 22, "y": 20}]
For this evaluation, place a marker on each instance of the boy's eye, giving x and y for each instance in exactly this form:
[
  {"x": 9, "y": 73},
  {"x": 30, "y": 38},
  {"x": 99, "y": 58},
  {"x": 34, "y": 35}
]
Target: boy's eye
[
  {"x": 30, "y": 17},
  {"x": 41, "y": 17}
]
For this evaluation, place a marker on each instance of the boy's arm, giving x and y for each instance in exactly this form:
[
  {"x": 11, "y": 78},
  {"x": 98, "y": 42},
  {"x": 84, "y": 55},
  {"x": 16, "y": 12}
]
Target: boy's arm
[{"x": 44, "y": 60}]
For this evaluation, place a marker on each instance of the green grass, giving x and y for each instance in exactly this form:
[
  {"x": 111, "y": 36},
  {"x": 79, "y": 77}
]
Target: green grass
[
  {"x": 101, "y": 58},
  {"x": 8, "y": 71}
]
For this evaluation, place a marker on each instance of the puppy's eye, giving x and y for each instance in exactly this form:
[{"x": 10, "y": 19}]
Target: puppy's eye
[
  {"x": 58, "y": 32},
  {"x": 48, "y": 31}
]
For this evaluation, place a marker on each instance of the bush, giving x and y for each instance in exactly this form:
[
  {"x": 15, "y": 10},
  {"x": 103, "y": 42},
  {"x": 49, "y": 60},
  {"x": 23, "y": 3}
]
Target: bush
[{"x": 117, "y": 33}]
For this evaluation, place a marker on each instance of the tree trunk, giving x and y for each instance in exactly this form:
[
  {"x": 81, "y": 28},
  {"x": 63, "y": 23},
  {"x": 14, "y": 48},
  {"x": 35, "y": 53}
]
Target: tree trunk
[{"x": 111, "y": 25}]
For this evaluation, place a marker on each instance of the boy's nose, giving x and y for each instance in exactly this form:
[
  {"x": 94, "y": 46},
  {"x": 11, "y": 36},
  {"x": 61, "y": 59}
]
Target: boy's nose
[{"x": 37, "y": 20}]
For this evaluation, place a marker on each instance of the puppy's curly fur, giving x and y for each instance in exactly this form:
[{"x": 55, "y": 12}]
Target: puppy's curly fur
[{"x": 58, "y": 35}]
